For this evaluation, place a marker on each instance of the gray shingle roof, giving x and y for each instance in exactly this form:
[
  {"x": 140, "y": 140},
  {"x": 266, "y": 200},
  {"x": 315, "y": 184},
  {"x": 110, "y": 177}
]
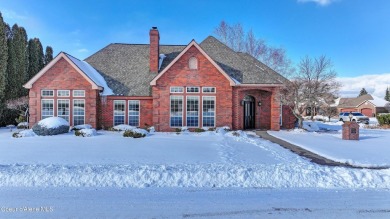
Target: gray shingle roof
[
  {"x": 240, "y": 66},
  {"x": 125, "y": 67},
  {"x": 354, "y": 101}
]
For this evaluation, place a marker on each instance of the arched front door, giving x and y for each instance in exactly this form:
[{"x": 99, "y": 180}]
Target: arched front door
[{"x": 249, "y": 112}]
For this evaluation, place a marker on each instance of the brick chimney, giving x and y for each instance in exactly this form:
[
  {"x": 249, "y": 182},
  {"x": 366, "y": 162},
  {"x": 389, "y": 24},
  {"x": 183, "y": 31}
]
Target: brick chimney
[{"x": 154, "y": 49}]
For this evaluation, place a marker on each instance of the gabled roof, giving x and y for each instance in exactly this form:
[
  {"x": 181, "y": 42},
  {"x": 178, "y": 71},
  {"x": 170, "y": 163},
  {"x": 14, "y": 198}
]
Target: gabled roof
[
  {"x": 241, "y": 66},
  {"x": 86, "y": 70},
  {"x": 193, "y": 43},
  {"x": 357, "y": 101},
  {"x": 125, "y": 67}
]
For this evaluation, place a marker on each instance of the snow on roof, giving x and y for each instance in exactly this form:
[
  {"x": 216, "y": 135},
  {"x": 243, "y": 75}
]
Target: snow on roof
[
  {"x": 94, "y": 75},
  {"x": 377, "y": 101},
  {"x": 336, "y": 102},
  {"x": 160, "y": 60}
]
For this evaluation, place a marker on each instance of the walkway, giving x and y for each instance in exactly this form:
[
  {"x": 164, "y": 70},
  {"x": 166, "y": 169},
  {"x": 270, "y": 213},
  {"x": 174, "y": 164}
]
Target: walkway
[{"x": 315, "y": 158}]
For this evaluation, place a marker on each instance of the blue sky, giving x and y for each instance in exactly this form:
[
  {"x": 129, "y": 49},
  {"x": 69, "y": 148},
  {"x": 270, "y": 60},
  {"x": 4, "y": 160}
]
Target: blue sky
[{"x": 355, "y": 34}]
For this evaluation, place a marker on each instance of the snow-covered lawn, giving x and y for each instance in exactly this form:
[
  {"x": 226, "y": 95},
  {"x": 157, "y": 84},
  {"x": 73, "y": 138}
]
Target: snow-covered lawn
[
  {"x": 371, "y": 150},
  {"x": 166, "y": 175},
  {"x": 205, "y": 160}
]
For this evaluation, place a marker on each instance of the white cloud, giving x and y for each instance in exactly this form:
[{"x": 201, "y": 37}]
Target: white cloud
[
  {"x": 12, "y": 15},
  {"x": 320, "y": 2},
  {"x": 82, "y": 50},
  {"x": 375, "y": 84}
]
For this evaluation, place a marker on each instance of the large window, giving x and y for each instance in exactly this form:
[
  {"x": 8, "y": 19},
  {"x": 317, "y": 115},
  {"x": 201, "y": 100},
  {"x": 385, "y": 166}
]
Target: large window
[
  {"x": 63, "y": 109},
  {"x": 192, "y": 111},
  {"x": 208, "y": 111},
  {"x": 78, "y": 112},
  {"x": 119, "y": 112},
  {"x": 134, "y": 112},
  {"x": 47, "y": 109},
  {"x": 176, "y": 111}
]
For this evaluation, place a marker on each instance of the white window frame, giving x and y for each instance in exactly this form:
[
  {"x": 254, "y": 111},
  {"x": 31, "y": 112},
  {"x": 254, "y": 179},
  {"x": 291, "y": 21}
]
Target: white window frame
[
  {"x": 124, "y": 112},
  {"x": 139, "y": 112},
  {"x": 58, "y": 115},
  {"x": 172, "y": 90},
  {"x": 58, "y": 93},
  {"x": 197, "y": 97},
  {"x": 73, "y": 115},
  {"x": 215, "y": 90},
  {"x": 47, "y": 116},
  {"x": 189, "y": 92},
  {"x": 74, "y": 95},
  {"x": 42, "y": 95},
  {"x": 170, "y": 110},
  {"x": 215, "y": 111}
]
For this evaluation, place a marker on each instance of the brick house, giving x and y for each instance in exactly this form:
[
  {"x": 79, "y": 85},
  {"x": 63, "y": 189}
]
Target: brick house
[
  {"x": 167, "y": 86},
  {"x": 367, "y": 104}
]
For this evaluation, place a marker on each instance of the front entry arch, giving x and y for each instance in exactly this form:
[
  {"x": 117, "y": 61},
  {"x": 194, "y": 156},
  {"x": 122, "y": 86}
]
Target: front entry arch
[{"x": 249, "y": 112}]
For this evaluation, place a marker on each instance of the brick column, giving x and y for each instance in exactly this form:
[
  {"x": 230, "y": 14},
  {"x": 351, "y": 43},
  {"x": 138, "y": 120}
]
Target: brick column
[{"x": 275, "y": 109}]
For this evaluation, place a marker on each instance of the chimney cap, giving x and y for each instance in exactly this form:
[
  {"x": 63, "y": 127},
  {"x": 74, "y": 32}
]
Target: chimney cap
[{"x": 154, "y": 28}]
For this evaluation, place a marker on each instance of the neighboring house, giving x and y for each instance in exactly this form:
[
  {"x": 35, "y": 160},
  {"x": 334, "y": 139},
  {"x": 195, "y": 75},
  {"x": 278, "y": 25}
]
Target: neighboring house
[
  {"x": 166, "y": 86},
  {"x": 367, "y": 104}
]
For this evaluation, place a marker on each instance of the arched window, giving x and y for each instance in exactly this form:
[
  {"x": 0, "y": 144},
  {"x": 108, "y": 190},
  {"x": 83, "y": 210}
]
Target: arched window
[{"x": 193, "y": 63}]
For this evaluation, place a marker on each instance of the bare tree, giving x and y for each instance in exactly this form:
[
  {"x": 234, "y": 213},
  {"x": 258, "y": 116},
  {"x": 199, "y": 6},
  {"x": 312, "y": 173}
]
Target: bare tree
[
  {"x": 235, "y": 37},
  {"x": 21, "y": 105},
  {"x": 312, "y": 85}
]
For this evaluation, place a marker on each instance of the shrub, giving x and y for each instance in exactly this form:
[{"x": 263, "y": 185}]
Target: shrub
[
  {"x": 51, "y": 126},
  {"x": 16, "y": 135},
  {"x": 22, "y": 125},
  {"x": 133, "y": 134},
  {"x": 199, "y": 130},
  {"x": 85, "y": 132},
  {"x": 78, "y": 133},
  {"x": 211, "y": 129},
  {"x": 178, "y": 129},
  {"x": 383, "y": 119},
  {"x": 236, "y": 134}
]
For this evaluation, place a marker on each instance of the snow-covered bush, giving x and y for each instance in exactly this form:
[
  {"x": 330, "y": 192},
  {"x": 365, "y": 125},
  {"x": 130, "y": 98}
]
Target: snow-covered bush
[
  {"x": 22, "y": 125},
  {"x": 133, "y": 134},
  {"x": 24, "y": 133},
  {"x": 123, "y": 127},
  {"x": 79, "y": 127},
  {"x": 85, "y": 132},
  {"x": 199, "y": 130},
  {"x": 51, "y": 126}
]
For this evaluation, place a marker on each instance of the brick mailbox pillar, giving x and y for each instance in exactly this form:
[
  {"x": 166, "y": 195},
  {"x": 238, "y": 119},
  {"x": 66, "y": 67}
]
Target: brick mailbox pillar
[{"x": 350, "y": 131}]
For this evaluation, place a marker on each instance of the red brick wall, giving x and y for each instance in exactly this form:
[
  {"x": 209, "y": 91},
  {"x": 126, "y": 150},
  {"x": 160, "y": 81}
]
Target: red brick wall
[
  {"x": 154, "y": 50},
  {"x": 107, "y": 110},
  {"x": 180, "y": 75},
  {"x": 62, "y": 76}
]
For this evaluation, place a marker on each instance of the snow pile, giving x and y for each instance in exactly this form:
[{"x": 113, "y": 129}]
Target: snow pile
[
  {"x": 310, "y": 126},
  {"x": 22, "y": 125},
  {"x": 130, "y": 128},
  {"x": 87, "y": 132},
  {"x": 123, "y": 127},
  {"x": 84, "y": 126},
  {"x": 25, "y": 133},
  {"x": 53, "y": 122}
]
